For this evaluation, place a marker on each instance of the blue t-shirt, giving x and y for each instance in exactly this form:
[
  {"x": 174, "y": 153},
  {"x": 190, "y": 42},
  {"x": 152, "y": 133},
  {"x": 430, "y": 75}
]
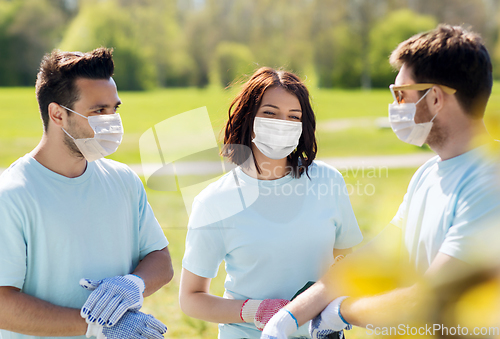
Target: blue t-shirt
[
  {"x": 274, "y": 235},
  {"x": 56, "y": 230},
  {"x": 453, "y": 207}
]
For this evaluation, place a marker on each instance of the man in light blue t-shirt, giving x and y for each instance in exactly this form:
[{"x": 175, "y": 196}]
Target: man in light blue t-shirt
[
  {"x": 448, "y": 220},
  {"x": 79, "y": 244}
]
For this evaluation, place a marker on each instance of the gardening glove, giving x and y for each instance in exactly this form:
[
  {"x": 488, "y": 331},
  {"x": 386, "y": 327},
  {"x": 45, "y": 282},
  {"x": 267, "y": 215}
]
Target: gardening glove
[
  {"x": 281, "y": 325},
  {"x": 111, "y": 298},
  {"x": 132, "y": 325},
  {"x": 260, "y": 311},
  {"x": 329, "y": 321}
]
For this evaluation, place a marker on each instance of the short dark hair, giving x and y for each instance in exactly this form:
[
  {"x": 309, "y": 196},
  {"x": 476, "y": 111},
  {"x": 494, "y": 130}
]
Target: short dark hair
[
  {"x": 59, "y": 71},
  {"x": 450, "y": 56},
  {"x": 238, "y": 130}
]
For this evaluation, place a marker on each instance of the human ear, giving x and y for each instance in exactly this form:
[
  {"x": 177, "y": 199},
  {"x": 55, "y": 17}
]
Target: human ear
[
  {"x": 437, "y": 98},
  {"x": 57, "y": 114}
]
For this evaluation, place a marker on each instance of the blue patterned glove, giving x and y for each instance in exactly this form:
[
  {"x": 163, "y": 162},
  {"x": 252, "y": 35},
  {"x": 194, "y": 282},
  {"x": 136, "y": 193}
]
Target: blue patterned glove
[
  {"x": 111, "y": 298},
  {"x": 329, "y": 321},
  {"x": 133, "y": 325},
  {"x": 281, "y": 325}
]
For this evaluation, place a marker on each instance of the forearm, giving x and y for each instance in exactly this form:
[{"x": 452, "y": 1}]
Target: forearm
[
  {"x": 25, "y": 314},
  {"x": 211, "y": 308},
  {"x": 396, "y": 307},
  {"x": 310, "y": 303},
  {"x": 156, "y": 270}
]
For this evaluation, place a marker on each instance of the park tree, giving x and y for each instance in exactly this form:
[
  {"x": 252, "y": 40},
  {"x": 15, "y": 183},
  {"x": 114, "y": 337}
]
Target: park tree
[
  {"x": 183, "y": 43},
  {"x": 28, "y": 30},
  {"x": 149, "y": 48},
  {"x": 232, "y": 61},
  {"x": 338, "y": 57},
  {"x": 162, "y": 40},
  {"x": 385, "y": 36},
  {"x": 109, "y": 25},
  {"x": 281, "y": 34}
]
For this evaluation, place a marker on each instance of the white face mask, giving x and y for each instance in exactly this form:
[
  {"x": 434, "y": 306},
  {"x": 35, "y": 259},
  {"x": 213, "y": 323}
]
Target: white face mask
[
  {"x": 276, "y": 138},
  {"x": 108, "y": 132},
  {"x": 401, "y": 118}
]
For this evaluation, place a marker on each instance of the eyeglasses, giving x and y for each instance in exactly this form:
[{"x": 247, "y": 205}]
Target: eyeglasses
[{"x": 397, "y": 91}]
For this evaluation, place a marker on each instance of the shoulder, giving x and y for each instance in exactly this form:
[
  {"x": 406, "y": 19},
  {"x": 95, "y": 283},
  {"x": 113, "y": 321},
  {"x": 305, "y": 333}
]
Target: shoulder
[
  {"x": 423, "y": 170},
  {"x": 15, "y": 176},
  {"x": 219, "y": 190},
  {"x": 16, "y": 183}
]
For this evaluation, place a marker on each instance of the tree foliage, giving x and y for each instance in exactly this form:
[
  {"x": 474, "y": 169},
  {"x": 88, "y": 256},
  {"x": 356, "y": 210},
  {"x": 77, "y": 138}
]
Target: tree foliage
[
  {"x": 385, "y": 36},
  {"x": 345, "y": 43},
  {"x": 232, "y": 61}
]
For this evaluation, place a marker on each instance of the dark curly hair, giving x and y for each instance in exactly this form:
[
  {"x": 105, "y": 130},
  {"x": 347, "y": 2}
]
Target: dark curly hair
[{"x": 239, "y": 127}]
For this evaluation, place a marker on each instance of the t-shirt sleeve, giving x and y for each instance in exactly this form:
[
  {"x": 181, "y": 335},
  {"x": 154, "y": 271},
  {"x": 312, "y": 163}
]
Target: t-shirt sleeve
[
  {"x": 400, "y": 214},
  {"x": 476, "y": 226},
  {"x": 348, "y": 233},
  {"x": 205, "y": 248},
  {"x": 151, "y": 234},
  {"x": 12, "y": 246}
]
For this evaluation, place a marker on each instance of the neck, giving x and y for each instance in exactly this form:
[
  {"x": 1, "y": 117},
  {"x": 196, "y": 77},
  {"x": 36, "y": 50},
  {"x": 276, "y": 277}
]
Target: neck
[
  {"x": 270, "y": 169},
  {"x": 462, "y": 138},
  {"x": 55, "y": 155}
]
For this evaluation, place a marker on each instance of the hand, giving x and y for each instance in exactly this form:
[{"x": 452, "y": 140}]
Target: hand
[
  {"x": 261, "y": 311},
  {"x": 111, "y": 298},
  {"x": 329, "y": 321},
  {"x": 281, "y": 325},
  {"x": 133, "y": 325}
]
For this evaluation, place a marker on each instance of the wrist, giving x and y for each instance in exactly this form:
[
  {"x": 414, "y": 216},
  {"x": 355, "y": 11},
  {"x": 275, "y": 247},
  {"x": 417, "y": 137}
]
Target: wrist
[
  {"x": 249, "y": 310},
  {"x": 137, "y": 280},
  {"x": 339, "y": 312}
]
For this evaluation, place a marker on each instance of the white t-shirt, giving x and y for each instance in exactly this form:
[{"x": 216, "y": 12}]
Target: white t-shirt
[
  {"x": 274, "y": 235},
  {"x": 56, "y": 230},
  {"x": 451, "y": 206}
]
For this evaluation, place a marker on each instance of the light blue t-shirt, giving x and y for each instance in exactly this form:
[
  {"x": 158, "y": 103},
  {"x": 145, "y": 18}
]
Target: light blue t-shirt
[
  {"x": 452, "y": 206},
  {"x": 274, "y": 235},
  {"x": 56, "y": 230}
]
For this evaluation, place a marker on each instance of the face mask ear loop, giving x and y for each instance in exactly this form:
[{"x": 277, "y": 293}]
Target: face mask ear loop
[
  {"x": 423, "y": 96},
  {"x": 69, "y": 135},
  {"x": 69, "y": 109},
  {"x": 434, "y": 117}
]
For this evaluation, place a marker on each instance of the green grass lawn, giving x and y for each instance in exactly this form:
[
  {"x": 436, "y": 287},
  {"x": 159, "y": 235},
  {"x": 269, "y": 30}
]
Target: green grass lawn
[
  {"x": 21, "y": 128},
  {"x": 375, "y": 198}
]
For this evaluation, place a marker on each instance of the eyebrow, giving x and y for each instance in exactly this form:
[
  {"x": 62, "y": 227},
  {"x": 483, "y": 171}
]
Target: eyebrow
[
  {"x": 273, "y": 106},
  {"x": 103, "y": 106}
]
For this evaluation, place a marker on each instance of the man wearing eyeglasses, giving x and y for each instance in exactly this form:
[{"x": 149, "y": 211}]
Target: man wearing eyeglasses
[{"x": 451, "y": 210}]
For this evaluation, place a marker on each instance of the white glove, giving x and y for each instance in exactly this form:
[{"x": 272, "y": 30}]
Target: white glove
[
  {"x": 111, "y": 298},
  {"x": 261, "y": 311},
  {"x": 133, "y": 325},
  {"x": 328, "y": 321},
  {"x": 281, "y": 325}
]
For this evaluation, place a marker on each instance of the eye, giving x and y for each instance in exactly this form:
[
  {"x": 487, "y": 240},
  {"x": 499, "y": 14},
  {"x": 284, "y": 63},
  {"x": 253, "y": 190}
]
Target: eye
[
  {"x": 294, "y": 117},
  {"x": 117, "y": 107},
  {"x": 399, "y": 96},
  {"x": 268, "y": 113}
]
